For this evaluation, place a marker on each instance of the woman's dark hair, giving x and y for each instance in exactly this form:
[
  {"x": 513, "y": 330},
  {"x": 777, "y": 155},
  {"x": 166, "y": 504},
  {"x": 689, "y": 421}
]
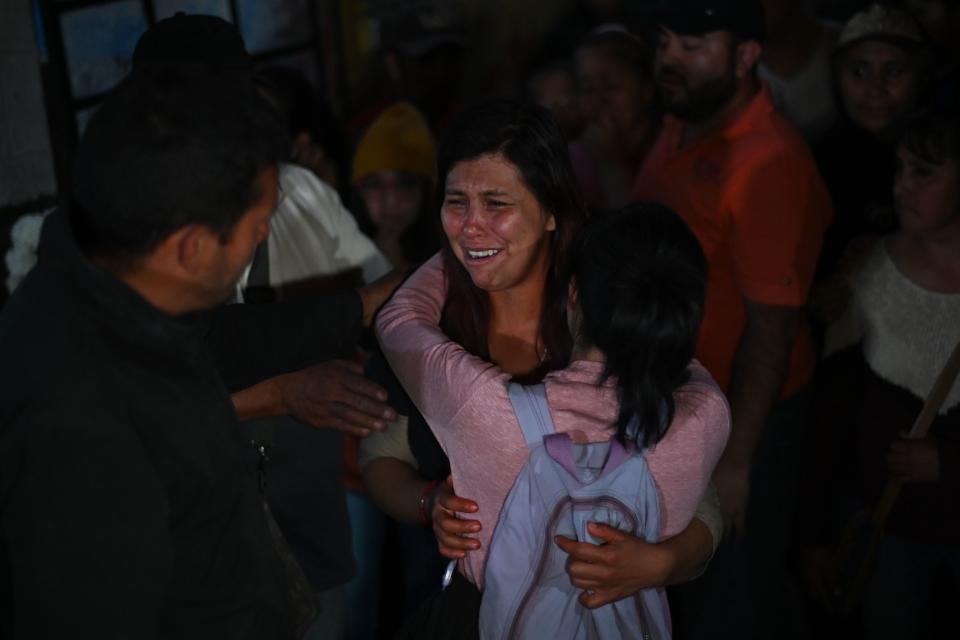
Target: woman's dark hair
[
  {"x": 933, "y": 135},
  {"x": 174, "y": 144},
  {"x": 530, "y": 138},
  {"x": 641, "y": 281}
]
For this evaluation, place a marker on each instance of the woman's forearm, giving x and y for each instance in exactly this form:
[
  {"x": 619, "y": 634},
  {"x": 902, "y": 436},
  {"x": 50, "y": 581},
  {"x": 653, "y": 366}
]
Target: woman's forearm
[
  {"x": 395, "y": 487},
  {"x": 691, "y": 550},
  {"x": 625, "y": 564}
]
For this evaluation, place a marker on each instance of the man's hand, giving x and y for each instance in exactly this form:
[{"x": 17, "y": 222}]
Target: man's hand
[
  {"x": 914, "y": 460},
  {"x": 331, "y": 395},
  {"x": 620, "y": 567},
  {"x": 733, "y": 486},
  {"x": 335, "y": 395},
  {"x": 452, "y": 532}
]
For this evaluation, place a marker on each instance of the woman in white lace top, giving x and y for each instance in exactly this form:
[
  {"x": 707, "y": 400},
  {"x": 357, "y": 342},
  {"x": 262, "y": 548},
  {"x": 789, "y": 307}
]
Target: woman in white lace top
[{"x": 902, "y": 324}]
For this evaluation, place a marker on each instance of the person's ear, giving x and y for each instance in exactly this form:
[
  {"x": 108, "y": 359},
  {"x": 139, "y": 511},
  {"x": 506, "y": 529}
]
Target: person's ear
[
  {"x": 747, "y": 55},
  {"x": 191, "y": 246},
  {"x": 302, "y": 146},
  {"x": 551, "y": 222}
]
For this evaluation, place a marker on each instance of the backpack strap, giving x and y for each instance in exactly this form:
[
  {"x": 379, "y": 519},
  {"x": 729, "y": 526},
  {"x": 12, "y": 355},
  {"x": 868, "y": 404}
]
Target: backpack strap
[{"x": 533, "y": 413}]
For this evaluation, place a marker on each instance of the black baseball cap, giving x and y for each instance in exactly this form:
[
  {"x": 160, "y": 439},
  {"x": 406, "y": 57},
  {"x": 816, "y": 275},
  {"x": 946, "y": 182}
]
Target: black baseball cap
[
  {"x": 193, "y": 38},
  {"x": 742, "y": 18}
]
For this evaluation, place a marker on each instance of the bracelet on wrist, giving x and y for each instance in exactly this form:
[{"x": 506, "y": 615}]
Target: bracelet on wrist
[{"x": 425, "y": 503}]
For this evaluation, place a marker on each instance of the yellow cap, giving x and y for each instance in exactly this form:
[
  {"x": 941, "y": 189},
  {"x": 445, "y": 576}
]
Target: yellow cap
[{"x": 398, "y": 140}]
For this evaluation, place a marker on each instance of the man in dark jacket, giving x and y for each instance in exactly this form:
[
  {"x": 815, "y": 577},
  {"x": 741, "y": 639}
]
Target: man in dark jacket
[{"x": 128, "y": 499}]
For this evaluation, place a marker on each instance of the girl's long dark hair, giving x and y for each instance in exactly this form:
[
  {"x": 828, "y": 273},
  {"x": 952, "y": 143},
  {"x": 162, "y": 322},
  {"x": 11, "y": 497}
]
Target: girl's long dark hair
[
  {"x": 529, "y": 137},
  {"x": 641, "y": 282}
]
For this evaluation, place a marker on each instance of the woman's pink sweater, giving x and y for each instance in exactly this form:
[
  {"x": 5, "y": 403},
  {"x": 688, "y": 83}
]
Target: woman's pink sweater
[{"x": 464, "y": 400}]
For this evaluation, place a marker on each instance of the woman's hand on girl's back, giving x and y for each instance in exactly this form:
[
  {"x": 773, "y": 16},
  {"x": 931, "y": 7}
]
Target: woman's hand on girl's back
[
  {"x": 624, "y": 564},
  {"x": 616, "y": 569},
  {"x": 453, "y": 533}
]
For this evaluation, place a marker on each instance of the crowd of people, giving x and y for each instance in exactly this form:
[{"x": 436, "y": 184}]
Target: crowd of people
[{"x": 667, "y": 348}]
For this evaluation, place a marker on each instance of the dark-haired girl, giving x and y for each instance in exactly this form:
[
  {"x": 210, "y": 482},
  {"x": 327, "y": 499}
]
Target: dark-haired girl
[{"x": 635, "y": 309}]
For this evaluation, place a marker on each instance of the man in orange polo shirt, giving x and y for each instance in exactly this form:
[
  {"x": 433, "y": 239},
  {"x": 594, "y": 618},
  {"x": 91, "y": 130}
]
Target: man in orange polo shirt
[{"x": 745, "y": 182}]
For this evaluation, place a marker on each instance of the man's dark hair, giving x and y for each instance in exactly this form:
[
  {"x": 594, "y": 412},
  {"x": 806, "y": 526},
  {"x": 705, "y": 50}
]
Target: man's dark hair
[
  {"x": 194, "y": 39},
  {"x": 173, "y": 145}
]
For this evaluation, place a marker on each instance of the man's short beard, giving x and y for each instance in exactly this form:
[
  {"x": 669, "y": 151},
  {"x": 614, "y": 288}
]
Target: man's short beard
[{"x": 706, "y": 99}]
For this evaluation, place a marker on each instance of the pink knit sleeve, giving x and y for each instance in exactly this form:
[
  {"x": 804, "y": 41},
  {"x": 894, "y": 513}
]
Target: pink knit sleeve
[
  {"x": 682, "y": 463},
  {"x": 439, "y": 375}
]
